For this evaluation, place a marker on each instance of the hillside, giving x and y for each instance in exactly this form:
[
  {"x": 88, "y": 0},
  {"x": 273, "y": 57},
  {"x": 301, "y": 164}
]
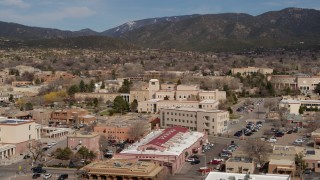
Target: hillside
[{"x": 227, "y": 31}]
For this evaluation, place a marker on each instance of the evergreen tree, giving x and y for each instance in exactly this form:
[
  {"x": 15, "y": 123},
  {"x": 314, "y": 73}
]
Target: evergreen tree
[
  {"x": 125, "y": 88},
  {"x": 91, "y": 86},
  {"x": 103, "y": 86},
  {"x": 120, "y": 105},
  {"x": 73, "y": 89},
  {"x": 134, "y": 105},
  {"x": 82, "y": 86},
  {"x": 317, "y": 89}
]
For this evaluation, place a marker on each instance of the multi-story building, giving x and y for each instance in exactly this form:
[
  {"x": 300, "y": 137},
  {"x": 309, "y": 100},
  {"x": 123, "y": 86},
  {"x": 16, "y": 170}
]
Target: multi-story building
[
  {"x": 304, "y": 83},
  {"x": 210, "y": 121},
  {"x": 69, "y": 116},
  {"x": 169, "y": 147},
  {"x": 312, "y": 159},
  {"x": 124, "y": 169},
  {"x": 89, "y": 140},
  {"x": 124, "y": 129},
  {"x": 244, "y": 71},
  {"x": 105, "y": 97},
  {"x": 241, "y": 165},
  {"x": 294, "y": 105},
  {"x": 18, "y": 135}
]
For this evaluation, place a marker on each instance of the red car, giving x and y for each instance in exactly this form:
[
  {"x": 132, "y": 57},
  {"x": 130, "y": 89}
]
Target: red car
[{"x": 215, "y": 161}]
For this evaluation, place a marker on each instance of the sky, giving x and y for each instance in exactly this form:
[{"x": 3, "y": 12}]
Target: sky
[{"x": 100, "y": 15}]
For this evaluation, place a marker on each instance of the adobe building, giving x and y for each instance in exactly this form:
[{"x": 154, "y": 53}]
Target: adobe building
[
  {"x": 123, "y": 169},
  {"x": 244, "y": 71},
  {"x": 169, "y": 147},
  {"x": 89, "y": 140},
  {"x": 242, "y": 165},
  {"x": 282, "y": 166},
  {"x": 70, "y": 117}
]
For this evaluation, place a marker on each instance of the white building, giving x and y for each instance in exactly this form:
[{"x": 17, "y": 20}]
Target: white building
[
  {"x": 294, "y": 105},
  {"x": 17, "y": 135},
  {"x": 236, "y": 176}
]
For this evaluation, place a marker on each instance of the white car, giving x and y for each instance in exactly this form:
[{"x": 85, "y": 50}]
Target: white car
[
  {"x": 299, "y": 141},
  {"x": 53, "y": 143},
  {"x": 49, "y": 146},
  {"x": 190, "y": 159},
  {"x": 47, "y": 176},
  {"x": 272, "y": 140}
]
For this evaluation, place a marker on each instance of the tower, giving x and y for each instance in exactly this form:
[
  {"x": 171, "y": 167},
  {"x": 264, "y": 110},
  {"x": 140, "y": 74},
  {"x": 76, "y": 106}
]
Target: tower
[{"x": 154, "y": 86}]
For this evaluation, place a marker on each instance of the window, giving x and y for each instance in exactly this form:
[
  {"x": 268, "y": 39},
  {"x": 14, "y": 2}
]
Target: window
[
  {"x": 29, "y": 127},
  {"x": 29, "y": 136}
]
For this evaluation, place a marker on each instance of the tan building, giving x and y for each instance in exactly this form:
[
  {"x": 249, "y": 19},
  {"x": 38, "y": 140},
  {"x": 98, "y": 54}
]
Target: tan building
[
  {"x": 316, "y": 138},
  {"x": 251, "y": 70},
  {"x": 312, "y": 159},
  {"x": 282, "y": 166},
  {"x": 105, "y": 97},
  {"x": 124, "y": 129},
  {"x": 70, "y": 116},
  {"x": 130, "y": 169},
  {"x": 4, "y": 76},
  {"x": 242, "y": 165},
  {"x": 41, "y": 116},
  {"x": 89, "y": 140},
  {"x": 302, "y": 82},
  {"x": 21, "y": 83},
  {"x": 19, "y": 134},
  {"x": 211, "y": 121}
]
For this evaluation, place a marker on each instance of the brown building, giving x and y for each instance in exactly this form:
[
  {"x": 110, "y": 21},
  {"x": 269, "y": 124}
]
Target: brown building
[
  {"x": 124, "y": 129},
  {"x": 21, "y": 83},
  {"x": 68, "y": 116},
  {"x": 123, "y": 169},
  {"x": 241, "y": 165},
  {"x": 282, "y": 166}
]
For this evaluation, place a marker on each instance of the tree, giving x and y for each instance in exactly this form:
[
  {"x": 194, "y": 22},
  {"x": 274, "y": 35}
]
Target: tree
[
  {"x": 28, "y": 106},
  {"x": 91, "y": 86},
  {"x": 72, "y": 90},
  {"x": 300, "y": 163},
  {"x": 63, "y": 154},
  {"x": 137, "y": 130},
  {"x": 179, "y": 82},
  {"x": 82, "y": 86},
  {"x": 230, "y": 110},
  {"x": 36, "y": 151},
  {"x": 95, "y": 102},
  {"x": 11, "y": 98},
  {"x": 259, "y": 150},
  {"x": 120, "y": 105},
  {"x": 317, "y": 89},
  {"x": 134, "y": 105},
  {"x": 103, "y": 86},
  {"x": 125, "y": 88},
  {"x": 269, "y": 104},
  {"x": 37, "y": 81},
  {"x": 86, "y": 154}
]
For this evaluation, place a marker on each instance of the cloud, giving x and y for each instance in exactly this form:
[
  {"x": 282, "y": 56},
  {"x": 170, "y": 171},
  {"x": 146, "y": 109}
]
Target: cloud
[{"x": 15, "y": 3}]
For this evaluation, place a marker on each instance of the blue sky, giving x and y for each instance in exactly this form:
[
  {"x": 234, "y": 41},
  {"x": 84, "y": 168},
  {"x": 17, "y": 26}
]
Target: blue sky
[{"x": 101, "y": 15}]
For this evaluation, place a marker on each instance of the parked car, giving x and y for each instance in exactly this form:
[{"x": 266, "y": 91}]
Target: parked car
[
  {"x": 38, "y": 169},
  {"x": 272, "y": 140},
  {"x": 190, "y": 159},
  {"x": 63, "y": 177},
  {"x": 197, "y": 161},
  {"x": 224, "y": 155},
  {"x": 36, "y": 175},
  {"x": 53, "y": 143},
  {"x": 289, "y": 132},
  {"x": 279, "y": 134},
  {"x": 299, "y": 141},
  {"x": 49, "y": 146},
  {"x": 215, "y": 161},
  {"x": 47, "y": 176}
]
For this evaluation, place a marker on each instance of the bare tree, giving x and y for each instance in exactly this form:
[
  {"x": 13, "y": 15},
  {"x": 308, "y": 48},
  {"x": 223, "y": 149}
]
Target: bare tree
[
  {"x": 313, "y": 124},
  {"x": 36, "y": 151},
  {"x": 259, "y": 150},
  {"x": 137, "y": 130},
  {"x": 269, "y": 104}
]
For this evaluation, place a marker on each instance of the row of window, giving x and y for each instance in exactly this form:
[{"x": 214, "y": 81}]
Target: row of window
[
  {"x": 179, "y": 120},
  {"x": 181, "y": 114},
  {"x": 190, "y": 128}
]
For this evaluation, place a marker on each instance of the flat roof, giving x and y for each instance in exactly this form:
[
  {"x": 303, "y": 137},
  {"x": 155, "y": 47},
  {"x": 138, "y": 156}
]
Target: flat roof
[
  {"x": 285, "y": 162},
  {"x": 124, "y": 167},
  {"x": 83, "y": 135},
  {"x": 177, "y": 146},
  {"x": 227, "y": 176},
  {"x": 192, "y": 109},
  {"x": 15, "y": 121}
]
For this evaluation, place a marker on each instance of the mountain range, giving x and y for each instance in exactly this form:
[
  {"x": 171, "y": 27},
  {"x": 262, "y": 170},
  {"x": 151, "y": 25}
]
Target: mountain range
[{"x": 287, "y": 27}]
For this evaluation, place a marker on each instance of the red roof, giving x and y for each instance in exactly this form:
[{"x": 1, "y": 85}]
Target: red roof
[{"x": 167, "y": 134}]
